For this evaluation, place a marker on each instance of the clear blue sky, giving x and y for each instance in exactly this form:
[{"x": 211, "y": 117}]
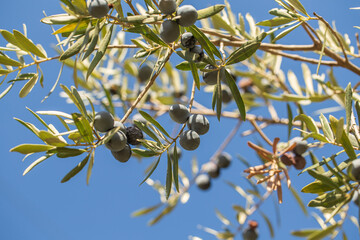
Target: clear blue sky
[{"x": 38, "y": 206}]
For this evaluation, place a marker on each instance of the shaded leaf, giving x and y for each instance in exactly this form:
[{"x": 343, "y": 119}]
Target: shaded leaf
[
  {"x": 76, "y": 169},
  {"x": 236, "y": 95}
]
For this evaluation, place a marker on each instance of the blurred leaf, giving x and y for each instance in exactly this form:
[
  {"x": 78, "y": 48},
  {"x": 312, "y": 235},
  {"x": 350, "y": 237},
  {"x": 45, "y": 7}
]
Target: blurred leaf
[
  {"x": 27, "y": 44},
  {"x": 93, "y": 42},
  {"x": 268, "y": 223},
  {"x": 323, "y": 233},
  {"x": 222, "y": 218},
  {"x": 304, "y": 232},
  {"x": 357, "y": 108},
  {"x": 73, "y": 49},
  {"x": 145, "y": 129},
  {"x": 175, "y": 170},
  {"x": 101, "y": 51},
  {"x": 324, "y": 179},
  {"x": 274, "y": 22},
  {"x": 298, "y": 6},
  {"x": 91, "y": 164},
  {"x": 65, "y": 152},
  {"x": 225, "y": 235},
  {"x": 144, "y": 153},
  {"x": 185, "y": 66},
  {"x": 246, "y": 50},
  {"x": 55, "y": 113},
  {"x": 154, "y": 122},
  {"x": 31, "y": 148},
  {"x": 76, "y": 169},
  {"x": 219, "y": 22},
  {"x": 327, "y": 200},
  {"x": 71, "y": 27},
  {"x": 195, "y": 74},
  {"x": 210, "y": 11},
  {"x": 30, "y": 126},
  {"x": 144, "y": 211},
  {"x": 290, "y": 118},
  {"x": 348, "y": 106},
  {"x": 310, "y": 123},
  {"x": 60, "y": 19},
  {"x": 6, "y": 90},
  {"x": 152, "y": 170}
]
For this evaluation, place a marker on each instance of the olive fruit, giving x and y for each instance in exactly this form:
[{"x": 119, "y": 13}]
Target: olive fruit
[
  {"x": 189, "y": 140},
  {"x": 356, "y": 197},
  {"x": 212, "y": 169},
  {"x": 123, "y": 155},
  {"x": 121, "y": 125},
  {"x": 300, "y": 162},
  {"x": 287, "y": 159},
  {"x": 167, "y": 6},
  {"x": 138, "y": 117},
  {"x": 210, "y": 78},
  {"x": 226, "y": 94},
  {"x": 117, "y": 142},
  {"x": 133, "y": 133},
  {"x": 103, "y": 121},
  {"x": 203, "y": 181},
  {"x": 169, "y": 31},
  {"x": 144, "y": 73},
  {"x": 355, "y": 171},
  {"x": 301, "y": 145},
  {"x": 223, "y": 160},
  {"x": 199, "y": 123},
  {"x": 98, "y": 8},
  {"x": 250, "y": 234},
  {"x": 179, "y": 113},
  {"x": 198, "y": 52},
  {"x": 188, "y": 40},
  {"x": 188, "y": 15},
  {"x": 172, "y": 152}
]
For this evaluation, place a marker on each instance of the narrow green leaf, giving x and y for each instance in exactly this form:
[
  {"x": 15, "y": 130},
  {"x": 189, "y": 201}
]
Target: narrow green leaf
[
  {"x": 55, "y": 113},
  {"x": 9, "y": 37},
  {"x": 93, "y": 42},
  {"x": 277, "y": 21},
  {"x": 323, "y": 233},
  {"x": 246, "y": 50},
  {"x": 144, "y": 153},
  {"x": 299, "y": 200},
  {"x": 236, "y": 94},
  {"x": 219, "y": 97},
  {"x": 65, "y": 152},
  {"x": 326, "y": 128},
  {"x": 297, "y": 5},
  {"x": 348, "y": 106},
  {"x": 195, "y": 74},
  {"x": 6, "y": 91},
  {"x": 152, "y": 170},
  {"x": 30, "y": 126},
  {"x": 80, "y": 102},
  {"x": 304, "y": 232},
  {"x": 222, "y": 218},
  {"x": 290, "y": 117},
  {"x": 327, "y": 200},
  {"x": 210, "y": 11},
  {"x": 208, "y": 46},
  {"x": 31, "y": 148},
  {"x": 76, "y": 169},
  {"x": 310, "y": 123},
  {"x": 286, "y": 32},
  {"x": 91, "y": 164},
  {"x": 175, "y": 169},
  {"x": 154, "y": 122},
  {"x": 101, "y": 52},
  {"x": 36, "y": 162},
  {"x": 84, "y": 127},
  {"x": 26, "y": 89},
  {"x": 73, "y": 49},
  {"x": 324, "y": 179},
  {"x": 145, "y": 129},
  {"x": 51, "y": 139},
  {"x": 9, "y": 62},
  {"x": 168, "y": 185},
  {"x": 27, "y": 44},
  {"x": 357, "y": 108}
]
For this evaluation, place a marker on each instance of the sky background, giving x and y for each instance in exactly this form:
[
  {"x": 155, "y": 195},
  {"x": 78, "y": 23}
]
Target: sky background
[{"x": 38, "y": 206}]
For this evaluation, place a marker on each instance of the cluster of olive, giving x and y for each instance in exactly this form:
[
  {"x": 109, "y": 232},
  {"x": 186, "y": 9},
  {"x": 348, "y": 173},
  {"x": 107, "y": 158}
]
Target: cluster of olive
[
  {"x": 169, "y": 29},
  {"x": 297, "y": 160},
  {"x": 119, "y": 142},
  {"x": 211, "y": 169}
]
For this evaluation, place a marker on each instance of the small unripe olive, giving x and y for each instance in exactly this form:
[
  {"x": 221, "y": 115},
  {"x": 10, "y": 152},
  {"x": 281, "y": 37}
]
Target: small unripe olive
[
  {"x": 212, "y": 169},
  {"x": 223, "y": 160},
  {"x": 123, "y": 155},
  {"x": 117, "y": 142},
  {"x": 103, "y": 121},
  {"x": 300, "y": 162},
  {"x": 188, "y": 40},
  {"x": 355, "y": 171},
  {"x": 203, "y": 181},
  {"x": 169, "y": 31},
  {"x": 250, "y": 233},
  {"x": 121, "y": 125},
  {"x": 98, "y": 8},
  {"x": 145, "y": 73},
  {"x": 189, "y": 140},
  {"x": 199, "y": 123},
  {"x": 199, "y": 53},
  {"x": 287, "y": 159},
  {"x": 172, "y": 152},
  {"x": 301, "y": 145},
  {"x": 179, "y": 113},
  {"x": 133, "y": 133},
  {"x": 210, "y": 78},
  {"x": 188, "y": 15},
  {"x": 167, "y": 6}
]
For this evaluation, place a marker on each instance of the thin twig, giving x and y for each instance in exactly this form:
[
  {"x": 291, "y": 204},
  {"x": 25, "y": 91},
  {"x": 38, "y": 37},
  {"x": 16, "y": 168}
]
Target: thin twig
[{"x": 262, "y": 134}]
